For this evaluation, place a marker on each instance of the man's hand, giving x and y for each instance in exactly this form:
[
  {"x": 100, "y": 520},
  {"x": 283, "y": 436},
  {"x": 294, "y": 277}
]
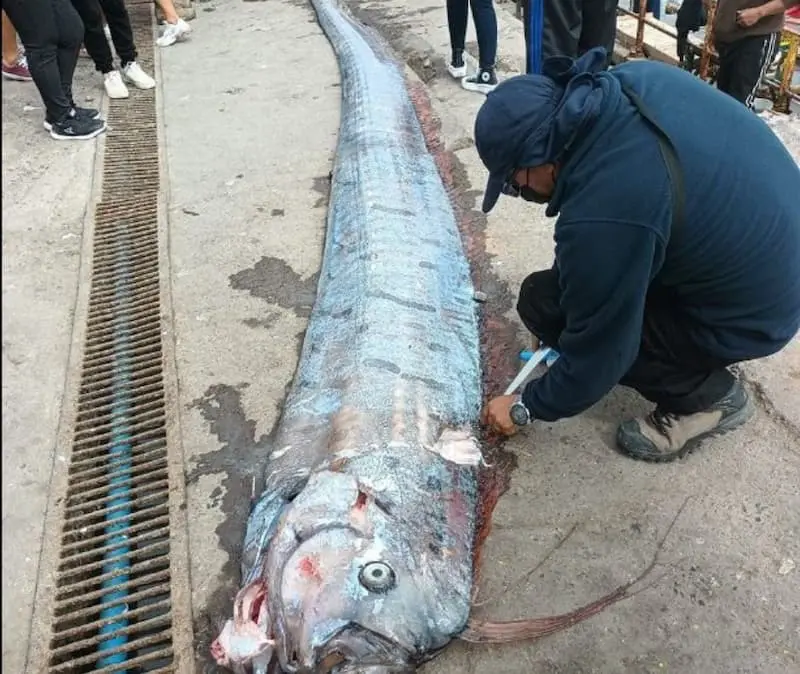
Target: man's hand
[
  {"x": 496, "y": 415},
  {"x": 749, "y": 17}
]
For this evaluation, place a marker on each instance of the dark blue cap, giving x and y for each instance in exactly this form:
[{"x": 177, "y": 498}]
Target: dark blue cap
[
  {"x": 531, "y": 120},
  {"x": 512, "y": 129}
]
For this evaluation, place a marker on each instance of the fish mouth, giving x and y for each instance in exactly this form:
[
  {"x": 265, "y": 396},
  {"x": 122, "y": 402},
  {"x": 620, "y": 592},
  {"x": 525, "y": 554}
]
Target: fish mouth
[{"x": 356, "y": 650}]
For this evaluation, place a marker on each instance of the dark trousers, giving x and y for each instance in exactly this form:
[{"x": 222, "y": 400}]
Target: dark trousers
[
  {"x": 672, "y": 371},
  {"x": 567, "y": 28},
  {"x": 485, "y": 19},
  {"x": 51, "y": 32},
  {"x": 95, "y": 41},
  {"x": 743, "y": 64}
]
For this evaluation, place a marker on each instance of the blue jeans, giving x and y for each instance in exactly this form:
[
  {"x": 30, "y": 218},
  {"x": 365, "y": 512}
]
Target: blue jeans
[{"x": 485, "y": 26}]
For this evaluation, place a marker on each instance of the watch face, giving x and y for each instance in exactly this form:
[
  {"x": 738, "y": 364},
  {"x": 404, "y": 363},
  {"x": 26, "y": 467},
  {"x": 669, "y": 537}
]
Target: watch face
[{"x": 519, "y": 415}]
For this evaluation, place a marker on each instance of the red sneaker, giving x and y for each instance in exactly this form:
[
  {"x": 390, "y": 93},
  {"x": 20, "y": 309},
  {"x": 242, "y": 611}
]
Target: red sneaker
[{"x": 17, "y": 71}]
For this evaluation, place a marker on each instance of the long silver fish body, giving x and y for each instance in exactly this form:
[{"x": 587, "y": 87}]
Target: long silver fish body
[{"x": 359, "y": 554}]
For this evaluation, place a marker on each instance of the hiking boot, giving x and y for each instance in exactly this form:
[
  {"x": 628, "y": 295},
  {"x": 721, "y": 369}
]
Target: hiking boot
[
  {"x": 663, "y": 436},
  {"x": 457, "y": 68},
  {"x": 484, "y": 81},
  {"x": 73, "y": 128},
  {"x": 83, "y": 114},
  {"x": 134, "y": 74}
]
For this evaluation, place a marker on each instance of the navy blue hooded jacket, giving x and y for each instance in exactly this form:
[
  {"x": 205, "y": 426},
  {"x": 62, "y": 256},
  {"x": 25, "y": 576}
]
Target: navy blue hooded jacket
[{"x": 734, "y": 268}]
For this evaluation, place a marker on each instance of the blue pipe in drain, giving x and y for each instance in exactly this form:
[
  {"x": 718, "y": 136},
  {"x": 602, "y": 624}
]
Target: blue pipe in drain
[{"x": 118, "y": 511}]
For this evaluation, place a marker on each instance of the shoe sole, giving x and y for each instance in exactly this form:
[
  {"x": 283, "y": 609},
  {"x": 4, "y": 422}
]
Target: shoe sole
[
  {"x": 730, "y": 423},
  {"x": 139, "y": 86},
  {"x": 17, "y": 78},
  {"x": 457, "y": 73},
  {"x": 479, "y": 88},
  {"x": 94, "y": 134}
]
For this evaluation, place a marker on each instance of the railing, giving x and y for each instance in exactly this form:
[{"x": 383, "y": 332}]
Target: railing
[{"x": 707, "y": 53}]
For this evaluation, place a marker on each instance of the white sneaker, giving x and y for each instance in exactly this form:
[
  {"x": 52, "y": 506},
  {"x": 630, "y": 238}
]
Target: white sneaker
[
  {"x": 115, "y": 87},
  {"x": 457, "y": 72},
  {"x": 173, "y": 32},
  {"x": 135, "y": 75}
]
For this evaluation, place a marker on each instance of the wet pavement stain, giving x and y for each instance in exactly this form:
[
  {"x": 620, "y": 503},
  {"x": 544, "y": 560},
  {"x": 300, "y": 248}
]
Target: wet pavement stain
[
  {"x": 242, "y": 459},
  {"x": 273, "y": 280},
  {"x": 322, "y": 185},
  {"x": 267, "y": 322}
]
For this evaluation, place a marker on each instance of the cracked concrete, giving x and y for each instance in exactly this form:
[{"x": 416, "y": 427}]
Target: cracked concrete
[{"x": 249, "y": 139}]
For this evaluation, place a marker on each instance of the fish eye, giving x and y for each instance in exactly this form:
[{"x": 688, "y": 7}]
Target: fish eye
[{"x": 377, "y": 577}]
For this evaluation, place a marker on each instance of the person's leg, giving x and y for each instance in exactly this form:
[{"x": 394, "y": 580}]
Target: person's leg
[
  {"x": 695, "y": 394},
  {"x": 35, "y": 21},
  {"x": 51, "y": 32},
  {"x": 598, "y": 26},
  {"x": 176, "y": 28},
  {"x": 726, "y": 64},
  {"x": 457, "y": 25},
  {"x": 15, "y": 67},
  {"x": 539, "y": 307},
  {"x": 483, "y": 14},
  {"x": 169, "y": 11},
  {"x": 70, "y": 37},
  {"x": 119, "y": 24},
  {"x": 94, "y": 37},
  {"x": 748, "y": 60},
  {"x": 552, "y": 28},
  {"x": 485, "y": 20},
  {"x": 10, "y": 47},
  {"x": 671, "y": 370}
]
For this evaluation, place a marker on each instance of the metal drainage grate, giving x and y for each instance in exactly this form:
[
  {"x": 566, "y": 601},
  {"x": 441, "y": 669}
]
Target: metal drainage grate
[{"x": 113, "y": 599}]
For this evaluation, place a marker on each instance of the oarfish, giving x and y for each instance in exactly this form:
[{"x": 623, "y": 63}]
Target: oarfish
[{"x": 359, "y": 552}]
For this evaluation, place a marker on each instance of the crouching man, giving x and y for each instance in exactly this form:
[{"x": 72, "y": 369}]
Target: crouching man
[{"x": 677, "y": 243}]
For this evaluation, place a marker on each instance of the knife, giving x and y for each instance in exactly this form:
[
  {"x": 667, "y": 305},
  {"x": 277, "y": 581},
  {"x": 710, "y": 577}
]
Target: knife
[{"x": 538, "y": 356}]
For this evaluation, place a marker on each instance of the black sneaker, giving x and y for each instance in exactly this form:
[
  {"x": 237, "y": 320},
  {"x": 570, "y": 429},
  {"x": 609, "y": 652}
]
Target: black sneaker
[
  {"x": 484, "y": 81},
  {"x": 77, "y": 113},
  {"x": 74, "y": 128},
  {"x": 457, "y": 68}
]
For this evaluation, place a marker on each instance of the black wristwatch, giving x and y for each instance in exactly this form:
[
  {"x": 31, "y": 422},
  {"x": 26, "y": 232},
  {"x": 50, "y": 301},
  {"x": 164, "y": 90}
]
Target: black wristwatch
[{"x": 519, "y": 413}]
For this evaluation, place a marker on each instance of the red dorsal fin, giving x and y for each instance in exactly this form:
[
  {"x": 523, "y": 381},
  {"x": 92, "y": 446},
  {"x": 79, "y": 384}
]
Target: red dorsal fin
[{"x": 487, "y": 632}]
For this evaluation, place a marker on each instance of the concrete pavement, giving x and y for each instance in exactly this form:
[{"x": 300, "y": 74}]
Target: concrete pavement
[{"x": 250, "y": 110}]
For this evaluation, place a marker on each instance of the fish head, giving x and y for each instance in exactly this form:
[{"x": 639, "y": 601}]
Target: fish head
[{"x": 354, "y": 588}]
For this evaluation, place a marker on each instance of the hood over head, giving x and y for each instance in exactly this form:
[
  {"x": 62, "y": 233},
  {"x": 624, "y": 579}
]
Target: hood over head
[{"x": 531, "y": 120}]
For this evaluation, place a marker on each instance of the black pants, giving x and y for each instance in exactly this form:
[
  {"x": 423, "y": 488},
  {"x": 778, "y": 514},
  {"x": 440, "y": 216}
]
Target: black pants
[
  {"x": 671, "y": 371},
  {"x": 567, "y": 28},
  {"x": 51, "y": 32},
  {"x": 119, "y": 23},
  {"x": 485, "y": 19},
  {"x": 743, "y": 64}
]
